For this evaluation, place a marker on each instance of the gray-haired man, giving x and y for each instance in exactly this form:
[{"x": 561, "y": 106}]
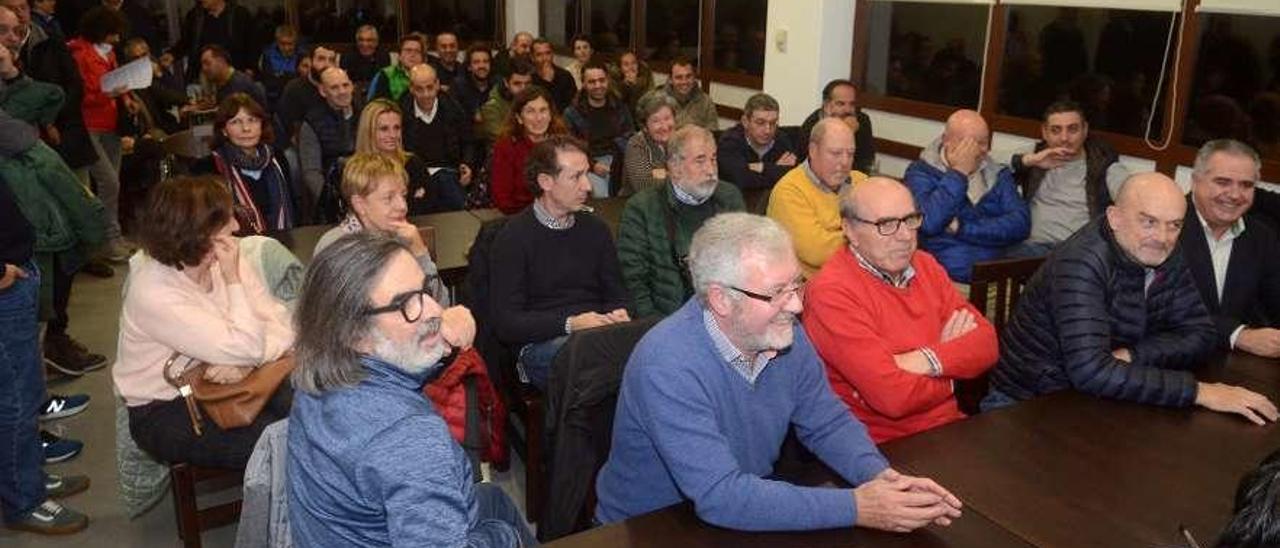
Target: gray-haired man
[{"x": 370, "y": 461}]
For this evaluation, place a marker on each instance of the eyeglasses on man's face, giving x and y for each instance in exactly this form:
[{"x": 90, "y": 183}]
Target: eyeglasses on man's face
[
  {"x": 890, "y": 225},
  {"x": 795, "y": 288},
  {"x": 409, "y": 304}
]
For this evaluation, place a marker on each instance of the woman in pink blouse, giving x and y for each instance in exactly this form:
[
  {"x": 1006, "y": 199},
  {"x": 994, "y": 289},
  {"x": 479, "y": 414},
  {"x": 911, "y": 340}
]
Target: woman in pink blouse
[{"x": 189, "y": 292}]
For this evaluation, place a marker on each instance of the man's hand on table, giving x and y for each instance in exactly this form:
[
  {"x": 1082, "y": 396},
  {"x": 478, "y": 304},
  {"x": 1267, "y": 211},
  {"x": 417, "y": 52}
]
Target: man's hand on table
[
  {"x": 900, "y": 503},
  {"x": 1225, "y": 398}
]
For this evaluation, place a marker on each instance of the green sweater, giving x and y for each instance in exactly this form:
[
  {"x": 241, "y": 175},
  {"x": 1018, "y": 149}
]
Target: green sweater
[{"x": 652, "y": 264}]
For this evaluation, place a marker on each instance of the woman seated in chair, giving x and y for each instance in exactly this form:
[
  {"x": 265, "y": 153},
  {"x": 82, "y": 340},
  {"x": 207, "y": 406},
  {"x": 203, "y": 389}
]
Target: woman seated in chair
[
  {"x": 256, "y": 175},
  {"x": 190, "y": 297},
  {"x": 379, "y": 133},
  {"x": 533, "y": 118},
  {"x": 645, "y": 160}
]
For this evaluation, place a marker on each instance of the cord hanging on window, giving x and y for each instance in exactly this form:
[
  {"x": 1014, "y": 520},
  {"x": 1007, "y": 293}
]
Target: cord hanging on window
[{"x": 1173, "y": 90}]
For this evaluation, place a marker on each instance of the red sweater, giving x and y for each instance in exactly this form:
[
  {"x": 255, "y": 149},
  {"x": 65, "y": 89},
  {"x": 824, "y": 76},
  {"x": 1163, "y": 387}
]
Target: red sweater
[
  {"x": 507, "y": 184},
  {"x": 857, "y": 322},
  {"x": 98, "y": 108}
]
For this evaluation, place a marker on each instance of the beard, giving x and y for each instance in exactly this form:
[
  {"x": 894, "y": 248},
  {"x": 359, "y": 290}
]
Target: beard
[{"x": 410, "y": 356}]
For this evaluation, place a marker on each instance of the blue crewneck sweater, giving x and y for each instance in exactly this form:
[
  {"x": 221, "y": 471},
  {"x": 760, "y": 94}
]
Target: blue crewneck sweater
[
  {"x": 374, "y": 465},
  {"x": 688, "y": 426}
]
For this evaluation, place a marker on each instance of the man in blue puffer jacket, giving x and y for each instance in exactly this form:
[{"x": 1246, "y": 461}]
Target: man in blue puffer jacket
[
  {"x": 972, "y": 209},
  {"x": 1115, "y": 313}
]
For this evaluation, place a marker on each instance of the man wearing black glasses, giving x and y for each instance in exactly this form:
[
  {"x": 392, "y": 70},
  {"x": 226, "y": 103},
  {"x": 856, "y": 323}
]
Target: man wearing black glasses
[
  {"x": 709, "y": 394},
  {"x": 892, "y": 330}
]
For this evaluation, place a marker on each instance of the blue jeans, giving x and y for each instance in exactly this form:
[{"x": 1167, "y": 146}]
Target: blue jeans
[
  {"x": 494, "y": 504},
  {"x": 535, "y": 360},
  {"x": 995, "y": 399},
  {"x": 600, "y": 184},
  {"x": 21, "y": 394}
]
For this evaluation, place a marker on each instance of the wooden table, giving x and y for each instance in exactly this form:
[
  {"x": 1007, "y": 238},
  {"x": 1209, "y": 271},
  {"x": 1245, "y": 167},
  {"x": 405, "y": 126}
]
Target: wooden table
[
  {"x": 454, "y": 233},
  {"x": 1063, "y": 470}
]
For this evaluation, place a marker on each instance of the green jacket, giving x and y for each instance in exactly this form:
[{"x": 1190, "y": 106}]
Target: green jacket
[
  {"x": 652, "y": 261},
  {"x": 494, "y": 112}
]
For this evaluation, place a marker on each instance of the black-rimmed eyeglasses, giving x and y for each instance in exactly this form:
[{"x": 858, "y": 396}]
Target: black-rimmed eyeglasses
[
  {"x": 409, "y": 304},
  {"x": 889, "y": 226},
  {"x": 794, "y": 288}
]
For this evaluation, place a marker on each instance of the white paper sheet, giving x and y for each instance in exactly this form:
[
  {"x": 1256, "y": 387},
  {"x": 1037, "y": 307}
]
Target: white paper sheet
[{"x": 135, "y": 75}]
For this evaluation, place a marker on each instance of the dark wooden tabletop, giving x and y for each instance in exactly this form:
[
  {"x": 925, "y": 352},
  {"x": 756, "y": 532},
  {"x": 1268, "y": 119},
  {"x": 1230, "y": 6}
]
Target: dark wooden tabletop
[
  {"x": 1063, "y": 470},
  {"x": 454, "y": 233}
]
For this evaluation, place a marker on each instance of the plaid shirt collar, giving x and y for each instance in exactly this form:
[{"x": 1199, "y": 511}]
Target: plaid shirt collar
[
  {"x": 900, "y": 281},
  {"x": 750, "y": 370},
  {"x": 547, "y": 220}
]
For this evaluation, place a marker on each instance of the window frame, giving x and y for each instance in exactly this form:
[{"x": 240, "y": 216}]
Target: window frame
[{"x": 1178, "y": 83}]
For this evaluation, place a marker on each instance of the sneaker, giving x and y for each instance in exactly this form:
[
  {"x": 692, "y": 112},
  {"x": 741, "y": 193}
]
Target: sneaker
[
  {"x": 60, "y": 487},
  {"x": 70, "y": 357},
  {"x": 58, "y": 449},
  {"x": 51, "y": 518},
  {"x": 98, "y": 268},
  {"x": 58, "y": 406}
]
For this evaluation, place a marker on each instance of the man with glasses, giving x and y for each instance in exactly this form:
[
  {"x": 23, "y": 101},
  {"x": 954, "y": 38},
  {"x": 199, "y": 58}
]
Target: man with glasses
[
  {"x": 806, "y": 200},
  {"x": 753, "y": 154},
  {"x": 658, "y": 222},
  {"x": 891, "y": 329},
  {"x": 1114, "y": 313},
  {"x": 370, "y": 461},
  {"x": 710, "y": 392}
]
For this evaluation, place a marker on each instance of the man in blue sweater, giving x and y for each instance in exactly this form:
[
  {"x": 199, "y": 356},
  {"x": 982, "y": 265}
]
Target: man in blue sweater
[
  {"x": 709, "y": 393},
  {"x": 370, "y": 462}
]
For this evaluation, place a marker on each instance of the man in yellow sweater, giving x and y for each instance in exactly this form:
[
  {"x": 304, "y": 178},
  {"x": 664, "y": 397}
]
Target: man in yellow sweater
[{"x": 807, "y": 199}]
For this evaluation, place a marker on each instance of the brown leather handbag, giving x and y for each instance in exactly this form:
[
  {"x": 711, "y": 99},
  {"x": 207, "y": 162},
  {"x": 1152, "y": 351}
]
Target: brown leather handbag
[{"x": 233, "y": 405}]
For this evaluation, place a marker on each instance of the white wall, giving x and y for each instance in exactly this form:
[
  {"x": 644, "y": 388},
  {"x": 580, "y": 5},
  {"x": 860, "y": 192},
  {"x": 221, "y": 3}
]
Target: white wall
[
  {"x": 817, "y": 48},
  {"x": 522, "y": 15}
]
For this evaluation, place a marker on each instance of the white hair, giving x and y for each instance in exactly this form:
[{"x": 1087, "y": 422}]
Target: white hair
[{"x": 728, "y": 240}]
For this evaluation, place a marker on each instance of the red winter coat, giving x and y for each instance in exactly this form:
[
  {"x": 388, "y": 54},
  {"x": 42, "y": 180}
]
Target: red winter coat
[
  {"x": 99, "y": 109},
  {"x": 449, "y": 394}
]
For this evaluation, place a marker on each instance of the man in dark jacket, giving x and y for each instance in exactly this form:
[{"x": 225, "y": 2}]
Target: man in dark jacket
[
  {"x": 1233, "y": 257},
  {"x": 220, "y": 22},
  {"x": 557, "y": 81},
  {"x": 302, "y": 93},
  {"x": 328, "y": 133},
  {"x": 471, "y": 89},
  {"x": 1114, "y": 313},
  {"x": 215, "y": 66},
  {"x": 1068, "y": 180},
  {"x": 972, "y": 210},
  {"x": 753, "y": 154},
  {"x": 435, "y": 130},
  {"x": 445, "y": 60},
  {"x": 368, "y": 57},
  {"x": 602, "y": 120},
  {"x": 840, "y": 100},
  {"x": 658, "y": 223}
]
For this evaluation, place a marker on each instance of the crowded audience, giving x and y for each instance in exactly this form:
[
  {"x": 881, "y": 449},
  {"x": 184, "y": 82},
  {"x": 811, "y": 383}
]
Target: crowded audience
[{"x": 801, "y": 300}]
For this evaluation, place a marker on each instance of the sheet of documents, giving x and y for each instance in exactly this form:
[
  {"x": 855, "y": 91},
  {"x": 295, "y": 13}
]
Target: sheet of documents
[{"x": 134, "y": 75}]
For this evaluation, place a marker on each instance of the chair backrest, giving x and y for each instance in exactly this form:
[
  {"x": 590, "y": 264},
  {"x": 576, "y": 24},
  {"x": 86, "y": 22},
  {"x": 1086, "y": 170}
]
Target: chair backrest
[
  {"x": 996, "y": 286},
  {"x": 757, "y": 199}
]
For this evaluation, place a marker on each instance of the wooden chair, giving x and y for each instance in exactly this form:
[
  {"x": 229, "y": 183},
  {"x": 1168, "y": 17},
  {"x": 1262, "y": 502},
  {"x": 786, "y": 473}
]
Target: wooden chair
[
  {"x": 994, "y": 290},
  {"x": 193, "y": 520}
]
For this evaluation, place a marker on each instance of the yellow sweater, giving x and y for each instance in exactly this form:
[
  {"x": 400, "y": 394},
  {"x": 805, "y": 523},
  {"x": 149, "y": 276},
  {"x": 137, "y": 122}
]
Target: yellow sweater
[{"x": 811, "y": 215}]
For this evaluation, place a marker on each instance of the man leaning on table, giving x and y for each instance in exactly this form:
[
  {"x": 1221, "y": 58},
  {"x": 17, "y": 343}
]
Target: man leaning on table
[
  {"x": 709, "y": 393},
  {"x": 1114, "y": 313}
]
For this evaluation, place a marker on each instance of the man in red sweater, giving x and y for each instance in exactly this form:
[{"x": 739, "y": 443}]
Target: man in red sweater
[{"x": 884, "y": 317}]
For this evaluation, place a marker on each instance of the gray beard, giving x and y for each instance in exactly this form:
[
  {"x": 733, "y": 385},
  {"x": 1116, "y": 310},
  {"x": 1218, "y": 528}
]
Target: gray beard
[{"x": 409, "y": 357}]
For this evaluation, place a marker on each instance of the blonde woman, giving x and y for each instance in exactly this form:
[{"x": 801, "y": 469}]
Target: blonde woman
[{"x": 379, "y": 132}]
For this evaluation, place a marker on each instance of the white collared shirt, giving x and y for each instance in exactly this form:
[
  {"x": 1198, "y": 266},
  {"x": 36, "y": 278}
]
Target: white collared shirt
[
  {"x": 426, "y": 117},
  {"x": 1220, "y": 256}
]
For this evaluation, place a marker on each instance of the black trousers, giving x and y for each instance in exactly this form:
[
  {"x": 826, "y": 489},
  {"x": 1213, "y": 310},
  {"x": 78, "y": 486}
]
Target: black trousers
[
  {"x": 61, "y": 295},
  {"x": 163, "y": 430}
]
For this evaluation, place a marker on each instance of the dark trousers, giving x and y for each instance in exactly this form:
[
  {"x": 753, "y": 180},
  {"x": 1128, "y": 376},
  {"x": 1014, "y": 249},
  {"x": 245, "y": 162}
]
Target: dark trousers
[
  {"x": 163, "y": 430},
  {"x": 21, "y": 394},
  {"x": 62, "y": 278}
]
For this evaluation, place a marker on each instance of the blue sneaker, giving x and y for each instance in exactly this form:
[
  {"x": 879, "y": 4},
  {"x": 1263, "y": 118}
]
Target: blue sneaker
[
  {"x": 58, "y": 449},
  {"x": 59, "y": 406}
]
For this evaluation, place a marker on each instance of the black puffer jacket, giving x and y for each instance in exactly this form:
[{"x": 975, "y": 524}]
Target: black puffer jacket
[{"x": 1087, "y": 300}]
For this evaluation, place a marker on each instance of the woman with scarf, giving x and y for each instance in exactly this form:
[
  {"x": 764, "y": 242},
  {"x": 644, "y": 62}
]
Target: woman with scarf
[{"x": 256, "y": 175}]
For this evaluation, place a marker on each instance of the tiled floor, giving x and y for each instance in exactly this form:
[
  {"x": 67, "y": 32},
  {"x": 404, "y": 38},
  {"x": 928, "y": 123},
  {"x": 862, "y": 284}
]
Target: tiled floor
[{"x": 95, "y": 311}]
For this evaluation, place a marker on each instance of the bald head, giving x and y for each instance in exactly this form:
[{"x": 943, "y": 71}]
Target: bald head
[
  {"x": 1147, "y": 217},
  {"x": 826, "y": 126},
  {"x": 422, "y": 73},
  {"x": 336, "y": 88},
  {"x": 831, "y": 148},
  {"x": 424, "y": 86},
  {"x": 968, "y": 124},
  {"x": 873, "y": 207}
]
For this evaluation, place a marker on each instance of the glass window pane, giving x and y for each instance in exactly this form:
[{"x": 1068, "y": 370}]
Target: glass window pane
[
  {"x": 1107, "y": 60},
  {"x": 926, "y": 52},
  {"x": 337, "y": 20},
  {"x": 740, "y": 36},
  {"x": 609, "y": 25},
  {"x": 1236, "y": 88},
  {"x": 671, "y": 29},
  {"x": 471, "y": 20},
  {"x": 560, "y": 21}
]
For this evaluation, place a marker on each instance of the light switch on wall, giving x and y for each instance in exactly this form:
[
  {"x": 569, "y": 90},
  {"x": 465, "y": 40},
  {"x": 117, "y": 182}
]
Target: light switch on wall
[{"x": 780, "y": 39}]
